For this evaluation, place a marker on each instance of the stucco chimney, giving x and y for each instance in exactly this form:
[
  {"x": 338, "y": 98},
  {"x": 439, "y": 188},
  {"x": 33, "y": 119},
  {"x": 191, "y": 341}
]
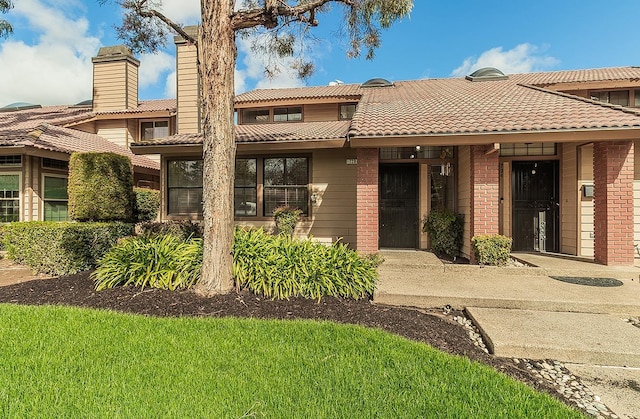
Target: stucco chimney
[
  {"x": 115, "y": 79},
  {"x": 188, "y": 84}
]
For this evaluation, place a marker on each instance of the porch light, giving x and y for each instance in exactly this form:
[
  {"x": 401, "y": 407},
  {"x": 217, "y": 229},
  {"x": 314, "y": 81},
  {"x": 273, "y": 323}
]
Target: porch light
[{"x": 445, "y": 169}]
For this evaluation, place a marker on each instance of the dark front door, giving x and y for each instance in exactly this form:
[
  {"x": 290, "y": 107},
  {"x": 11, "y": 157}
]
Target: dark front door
[
  {"x": 399, "y": 205},
  {"x": 535, "y": 206}
]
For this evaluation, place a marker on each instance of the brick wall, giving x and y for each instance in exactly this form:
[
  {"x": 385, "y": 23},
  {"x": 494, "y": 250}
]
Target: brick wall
[
  {"x": 613, "y": 169},
  {"x": 367, "y": 195},
  {"x": 485, "y": 192}
]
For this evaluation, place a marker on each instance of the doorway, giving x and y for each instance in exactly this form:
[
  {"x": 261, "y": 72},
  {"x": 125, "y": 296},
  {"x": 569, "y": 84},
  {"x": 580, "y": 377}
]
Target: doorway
[
  {"x": 399, "y": 206},
  {"x": 536, "y": 208}
]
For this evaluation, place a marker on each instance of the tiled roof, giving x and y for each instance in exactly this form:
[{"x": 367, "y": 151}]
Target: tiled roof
[
  {"x": 339, "y": 91},
  {"x": 459, "y": 106},
  {"x": 260, "y": 133},
  {"x": 66, "y": 140},
  {"x": 579, "y": 76},
  {"x": 156, "y": 105},
  {"x": 31, "y": 118}
]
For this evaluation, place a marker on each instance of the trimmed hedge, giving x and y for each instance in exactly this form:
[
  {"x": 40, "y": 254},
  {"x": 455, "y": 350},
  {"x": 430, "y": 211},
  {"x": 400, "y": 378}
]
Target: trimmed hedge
[
  {"x": 281, "y": 267},
  {"x": 183, "y": 229},
  {"x": 58, "y": 248},
  {"x": 446, "y": 229},
  {"x": 491, "y": 249},
  {"x": 100, "y": 187},
  {"x": 147, "y": 204}
]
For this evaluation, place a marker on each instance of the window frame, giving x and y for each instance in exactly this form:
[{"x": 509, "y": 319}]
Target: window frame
[
  {"x": 244, "y": 121},
  {"x": 168, "y": 188},
  {"x": 288, "y": 108},
  {"x": 2, "y": 164},
  {"x": 19, "y": 199},
  {"x": 340, "y": 105},
  {"x": 44, "y": 199},
  {"x": 630, "y": 95},
  {"x": 285, "y": 186},
  {"x": 141, "y": 131}
]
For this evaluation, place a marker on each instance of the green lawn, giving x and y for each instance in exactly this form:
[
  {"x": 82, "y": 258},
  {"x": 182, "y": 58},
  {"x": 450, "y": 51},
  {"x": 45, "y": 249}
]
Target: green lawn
[{"x": 69, "y": 362}]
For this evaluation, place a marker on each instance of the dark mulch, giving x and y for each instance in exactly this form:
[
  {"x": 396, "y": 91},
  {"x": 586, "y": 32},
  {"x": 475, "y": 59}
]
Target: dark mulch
[{"x": 430, "y": 326}]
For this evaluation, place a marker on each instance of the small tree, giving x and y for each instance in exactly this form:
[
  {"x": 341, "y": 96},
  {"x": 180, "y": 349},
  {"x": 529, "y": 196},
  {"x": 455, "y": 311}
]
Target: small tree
[
  {"x": 100, "y": 187},
  {"x": 5, "y": 26}
]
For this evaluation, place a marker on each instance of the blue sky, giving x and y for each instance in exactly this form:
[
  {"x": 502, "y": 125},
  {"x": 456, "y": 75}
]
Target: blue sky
[{"x": 48, "y": 59}]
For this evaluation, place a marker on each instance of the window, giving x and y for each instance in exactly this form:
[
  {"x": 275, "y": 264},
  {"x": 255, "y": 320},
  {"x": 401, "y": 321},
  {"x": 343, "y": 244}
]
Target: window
[
  {"x": 184, "y": 186},
  {"x": 347, "y": 111},
  {"x": 255, "y": 116},
  {"x": 55, "y": 164},
  {"x": 287, "y": 114},
  {"x": 10, "y": 160},
  {"x": 418, "y": 152},
  {"x": 246, "y": 192},
  {"x": 56, "y": 200},
  {"x": 615, "y": 97},
  {"x": 154, "y": 129},
  {"x": 286, "y": 182},
  {"x": 442, "y": 189},
  {"x": 9, "y": 198},
  {"x": 636, "y": 101},
  {"x": 528, "y": 149}
]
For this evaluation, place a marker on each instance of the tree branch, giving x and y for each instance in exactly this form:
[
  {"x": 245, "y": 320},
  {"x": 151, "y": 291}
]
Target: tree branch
[
  {"x": 151, "y": 13},
  {"x": 268, "y": 16}
]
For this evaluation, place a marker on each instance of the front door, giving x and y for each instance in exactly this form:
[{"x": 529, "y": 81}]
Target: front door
[
  {"x": 535, "y": 206},
  {"x": 399, "y": 206}
]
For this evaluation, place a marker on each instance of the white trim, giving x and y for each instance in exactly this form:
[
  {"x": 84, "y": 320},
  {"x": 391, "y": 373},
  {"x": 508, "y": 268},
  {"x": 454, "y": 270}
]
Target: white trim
[{"x": 20, "y": 192}]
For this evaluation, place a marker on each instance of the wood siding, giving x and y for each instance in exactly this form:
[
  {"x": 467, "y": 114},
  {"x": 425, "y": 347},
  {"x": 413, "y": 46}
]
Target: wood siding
[
  {"x": 568, "y": 199},
  {"x": 115, "y": 86},
  {"x": 188, "y": 119},
  {"x": 116, "y": 131},
  {"x": 321, "y": 112},
  {"x": 585, "y": 177},
  {"x": 464, "y": 195},
  {"x": 636, "y": 198}
]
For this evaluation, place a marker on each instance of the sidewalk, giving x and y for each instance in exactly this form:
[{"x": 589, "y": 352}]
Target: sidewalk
[{"x": 12, "y": 273}]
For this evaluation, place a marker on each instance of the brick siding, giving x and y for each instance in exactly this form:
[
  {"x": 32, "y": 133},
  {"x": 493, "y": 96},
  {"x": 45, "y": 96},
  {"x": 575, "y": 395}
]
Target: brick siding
[
  {"x": 367, "y": 197},
  {"x": 485, "y": 193}
]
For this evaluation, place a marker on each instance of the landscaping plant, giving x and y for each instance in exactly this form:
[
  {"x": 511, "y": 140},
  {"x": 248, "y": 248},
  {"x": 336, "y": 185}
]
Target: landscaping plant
[
  {"x": 147, "y": 204},
  {"x": 445, "y": 229},
  {"x": 160, "y": 261},
  {"x": 286, "y": 218},
  {"x": 183, "y": 229},
  {"x": 491, "y": 249}
]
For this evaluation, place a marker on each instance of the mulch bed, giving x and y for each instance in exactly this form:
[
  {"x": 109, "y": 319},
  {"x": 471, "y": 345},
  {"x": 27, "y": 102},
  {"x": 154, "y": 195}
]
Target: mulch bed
[{"x": 428, "y": 326}]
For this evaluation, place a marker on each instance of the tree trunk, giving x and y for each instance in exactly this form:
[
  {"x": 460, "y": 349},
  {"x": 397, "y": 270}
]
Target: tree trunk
[{"x": 217, "y": 56}]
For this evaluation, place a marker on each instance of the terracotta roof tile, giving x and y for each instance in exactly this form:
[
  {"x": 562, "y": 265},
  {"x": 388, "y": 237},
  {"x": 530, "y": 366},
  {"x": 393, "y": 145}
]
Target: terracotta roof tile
[
  {"x": 579, "y": 76},
  {"x": 260, "y": 133},
  {"x": 339, "y": 91},
  {"x": 31, "y": 118},
  {"x": 66, "y": 140},
  {"x": 459, "y": 106},
  {"x": 156, "y": 105}
]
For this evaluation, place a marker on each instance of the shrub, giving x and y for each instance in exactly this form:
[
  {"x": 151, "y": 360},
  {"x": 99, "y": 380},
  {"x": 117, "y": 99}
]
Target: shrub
[
  {"x": 160, "y": 261},
  {"x": 100, "y": 187},
  {"x": 147, "y": 204},
  {"x": 286, "y": 219},
  {"x": 183, "y": 229},
  {"x": 491, "y": 249},
  {"x": 446, "y": 229},
  {"x": 281, "y": 267},
  {"x": 56, "y": 248}
]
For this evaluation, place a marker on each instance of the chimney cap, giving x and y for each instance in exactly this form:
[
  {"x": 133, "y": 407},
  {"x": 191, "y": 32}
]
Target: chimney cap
[
  {"x": 115, "y": 53},
  {"x": 190, "y": 30}
]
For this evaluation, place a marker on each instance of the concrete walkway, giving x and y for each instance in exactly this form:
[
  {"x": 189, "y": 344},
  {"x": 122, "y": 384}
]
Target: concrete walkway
[
  {"x": 12, "y": 273},
  {"x": 521, "y": 311}
]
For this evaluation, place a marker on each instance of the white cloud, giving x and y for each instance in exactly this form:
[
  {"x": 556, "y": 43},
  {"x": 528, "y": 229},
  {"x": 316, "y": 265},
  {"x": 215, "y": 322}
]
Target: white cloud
[
  {"x": 185, "y": 12},
  {"x": 57, "y": 67},
  {"x": 523, "y": 58},
  {"x": 170, "y": 85},
  {"x": 152, "y": 66}
]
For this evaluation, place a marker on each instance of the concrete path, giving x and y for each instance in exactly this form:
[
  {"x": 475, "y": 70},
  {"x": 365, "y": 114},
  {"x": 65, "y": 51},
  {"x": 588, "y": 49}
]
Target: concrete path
[{"x": 12, "y": 273}]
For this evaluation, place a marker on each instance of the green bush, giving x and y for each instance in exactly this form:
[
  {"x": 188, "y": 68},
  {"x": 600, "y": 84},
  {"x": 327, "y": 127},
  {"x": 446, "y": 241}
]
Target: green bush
[
  {"x": 446, "y": 229},
  {"x": 56, "y": 248},
  {"x": 281, "y": 267},
  {"x": 100, "y": 187},
  {"x": 286, "y": 218},
  {"x": 491, "y": 249},
  {"x": 183, "y": 229},
  {"x": 160, "y": 261},
  {"x": 147, "y": 204}
]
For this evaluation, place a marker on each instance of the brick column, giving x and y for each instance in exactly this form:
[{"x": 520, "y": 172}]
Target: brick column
[
  {"x": 613, "y": 202},
  {"x": 485, "y": 193},
  {"x": 367, "y": 200}
]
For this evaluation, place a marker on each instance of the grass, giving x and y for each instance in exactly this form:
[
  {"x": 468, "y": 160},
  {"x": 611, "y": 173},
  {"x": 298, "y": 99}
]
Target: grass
[{"x": 69, "y": 362}]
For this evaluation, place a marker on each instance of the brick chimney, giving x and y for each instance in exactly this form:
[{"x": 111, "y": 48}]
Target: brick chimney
[
  {"x": 115, "y": 79},
  {"x": 188, "y": 84}
]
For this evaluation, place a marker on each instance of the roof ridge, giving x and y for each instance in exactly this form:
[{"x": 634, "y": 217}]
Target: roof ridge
[{"x": 621, "y": 108}]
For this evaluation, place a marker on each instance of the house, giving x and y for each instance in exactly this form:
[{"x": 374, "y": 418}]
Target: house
[
  {"x": 545, "y": 158},
  {"x": 37, "y": 141}
]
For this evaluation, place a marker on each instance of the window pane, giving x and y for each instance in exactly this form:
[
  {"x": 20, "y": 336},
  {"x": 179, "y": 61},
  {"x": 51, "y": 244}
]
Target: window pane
[
  {"x": 252, "y": 116},
  {"x": 185, "y": 201},
  {"x": 296, "y": 171},
  {"x": 184, "y": 173},
  {"x": 9, "y": 183},
  {"x": 246, "y": 174},
  {"x": 442, "y": 189},
  {"x": 273, "y": 172},
  {"x": 9, "y": 210},
  {"x": 55, "y": 188},
  {"x": 296, "y": 197},
  {"x": 347, "y": 111},
  {"x": 636, "y": 101},
  {"x": 245, "y": 202},
  {"x": 287, "y": 114},
  {"x": 619, "y": 97},
  {"x": 56, "y": 211}
]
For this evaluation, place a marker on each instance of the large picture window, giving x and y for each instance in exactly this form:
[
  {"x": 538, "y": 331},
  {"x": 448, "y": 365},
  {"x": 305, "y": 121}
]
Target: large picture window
[
  {"x": 184, "y": 187},
  {"x": 56, "y": 199},
  {"x": 9, "y": 198},
  {"x": 286, "y": 182},
  {"x": 246, "y": 192}
]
